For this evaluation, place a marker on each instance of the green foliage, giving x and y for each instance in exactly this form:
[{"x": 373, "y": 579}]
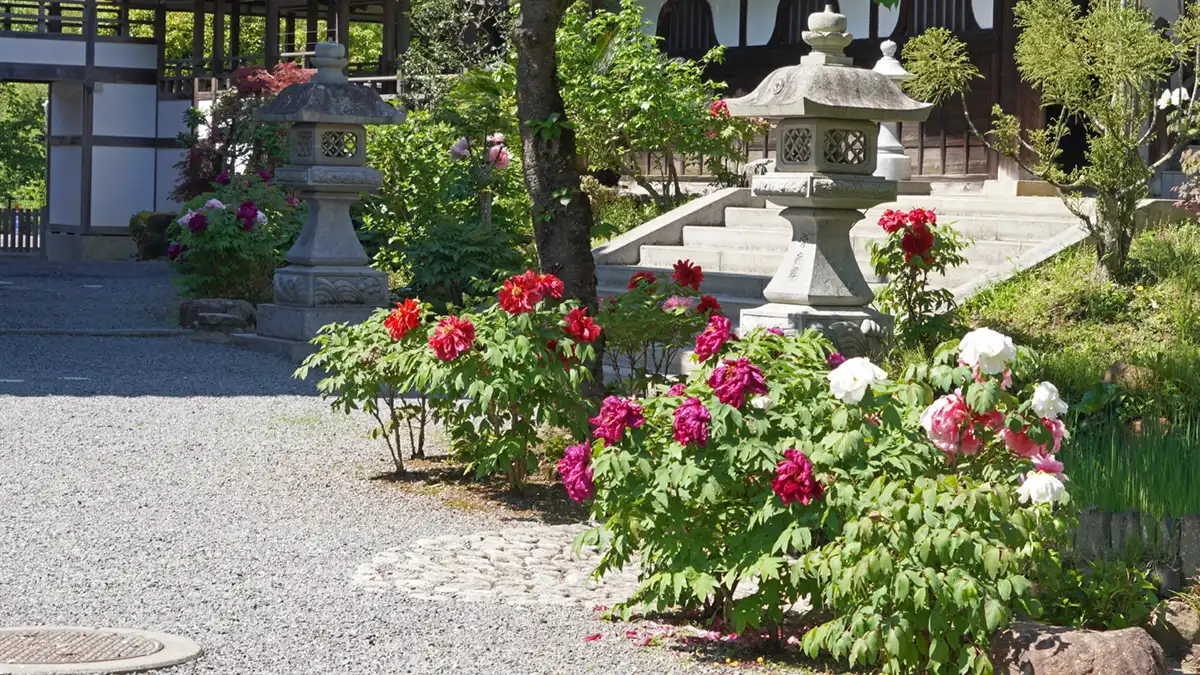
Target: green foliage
[
  {"x": 149, "y": 231},
  {"x": 224, "y": 260},
  {"x": 614, "y": 213},
  {"x": 915, "y": 248},
  {"x": 940, "y": 65},
  {"x": 442, "y": 46},
  {"x": 425, "y": 220},
  {"x": 1106, "y": 595},
  {"x": 23, "y": 145}
]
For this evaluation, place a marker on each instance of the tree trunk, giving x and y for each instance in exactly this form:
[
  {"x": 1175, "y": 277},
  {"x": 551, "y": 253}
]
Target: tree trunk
[
  {"x": 562, "y": 232},
  {"x": 1115, "y": 224}
]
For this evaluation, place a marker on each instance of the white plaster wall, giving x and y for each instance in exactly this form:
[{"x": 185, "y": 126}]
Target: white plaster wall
[
  {"x": 760, "y": 21},
  {"x": 888, "y": 18},
  {"x": 985, "y": 13},
  {"x": 63, "y": 196},
  {"x": 167, "y": 174},
  {"x": 727, "y": 15},
  {"x": 122, "y": 184},
  {"x": 48, "y": 52},
  {"x": 66, "y": 109},
  {"x": 1166, "y": 9},
  {"x": 125, "y": 110},
  {"x": 858, "y": 17},
  {"x": 126, "y": 55},
  {"x": 170, "y": 118}
]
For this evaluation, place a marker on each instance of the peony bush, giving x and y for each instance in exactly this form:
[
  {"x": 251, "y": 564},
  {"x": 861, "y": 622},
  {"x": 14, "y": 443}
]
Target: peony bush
[{"x": 914, "y": 513}]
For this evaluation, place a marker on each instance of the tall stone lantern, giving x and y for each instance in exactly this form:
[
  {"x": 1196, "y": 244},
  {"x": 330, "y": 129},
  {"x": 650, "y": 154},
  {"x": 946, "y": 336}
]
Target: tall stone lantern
[
  {"x": 828, "y": 115},
  {"x": 327, "y": 279}
]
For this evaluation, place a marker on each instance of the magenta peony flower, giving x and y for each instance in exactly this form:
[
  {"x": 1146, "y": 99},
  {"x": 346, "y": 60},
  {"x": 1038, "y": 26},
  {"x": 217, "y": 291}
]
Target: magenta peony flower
[
  {"x": 775, "y": 331},
  {"x": 835, "y": 359},
  {"x": 222, "y": 178},
  {"x": 691, "y": 422},
  {"x": 794, "y": 480},
  {"x": 735, "y": 379},
  {"x": 198, "y": 223},
  {"x": 680, "y": 302},
  {"x": 264, "y": 174},
  {"x": 616, "y": 414},
  {"x": 576, "y": 470},
  {"x": 292, "y": 200},
  {"x": 174, "y": 251},
  {"x": 676, "y": 389},
  {"x": 714, "y": 336}
]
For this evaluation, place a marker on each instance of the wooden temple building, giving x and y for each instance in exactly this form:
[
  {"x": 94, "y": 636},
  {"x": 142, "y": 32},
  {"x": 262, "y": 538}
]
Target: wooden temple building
[{"x": 117, "y": 101}]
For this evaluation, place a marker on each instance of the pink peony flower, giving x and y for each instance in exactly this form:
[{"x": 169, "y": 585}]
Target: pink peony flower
[
  {"x": 499, "y": 156},
  {"x": 680, "y": 302},
  {"x": 676, "y": 389},
  {"x": 576, "y": 470},
  {"x": 616, "y": 414},
  {"x": 794, "y": 480},
  {"x": 1022, "y": 445},
  {"x": 691, "y": 422},
  {"x": 496, "y": 138},
  {"x": 214, "y": 204},
  {"x": 292, "y": 200},
  {"x": 1048, "y": 464},
  {"x": 943, "y": 421},
  {"x": 735, "y": 379},
  {"x": 714, "y": 336},
  {"x": 835, "y": 359}
]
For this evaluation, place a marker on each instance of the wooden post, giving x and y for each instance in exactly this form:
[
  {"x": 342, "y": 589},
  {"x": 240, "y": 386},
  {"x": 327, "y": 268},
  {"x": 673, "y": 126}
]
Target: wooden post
[
  {"x": 331, "y": 21},
  {"x": 122, "y": 18},
  {"x": 310, "y": 25},
  {"x": 218, "y": 45},
  {"x": 404, "y": 30},
  {"x": 388, "y": 64},
  {"x": 160, "y": 38},
  {"x": 197, "y": 37},
  {"x": 271, "y": 58},
  {"x": 235, "y": 33},
  {"x": 55, "y": 25},
  {"x": 292, "y": 41},
  {"x": 89, "y": 104},
  {"x": 343, "y": 24}
]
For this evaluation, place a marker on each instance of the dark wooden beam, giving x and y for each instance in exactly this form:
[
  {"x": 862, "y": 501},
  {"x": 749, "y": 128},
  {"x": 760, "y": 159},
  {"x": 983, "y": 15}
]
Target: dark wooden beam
[
  {"x": 123, "y": 18},
  {"x": 198, "y": 36},
  {"x": 160, "y": 35},
  {"x": 389, "y": 38},
  {"x": 343, "y": 24},
  {"x": 743, "y": 14},
  {"x": 55, "y": 25},
  {"x": 235, "y": 32},
  {"x": 271, "y": 37},
  {"x": 292, "y": 39},
  {"x": 218, "y": 43},
  {"x": 331, "y": 21},
  {"x": 404, "y": 30},
  {"x": 89, "y": 105},
  {"x": 310, "y": 25}
]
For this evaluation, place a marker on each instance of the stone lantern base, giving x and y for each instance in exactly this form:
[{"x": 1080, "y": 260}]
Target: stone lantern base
[{"x": 844, "y": 326}]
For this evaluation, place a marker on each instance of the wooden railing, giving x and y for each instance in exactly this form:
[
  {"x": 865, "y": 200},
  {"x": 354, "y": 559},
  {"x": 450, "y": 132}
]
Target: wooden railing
[
  {"x": 21, "y": 231},
  {"x": 113, "y": 19}
]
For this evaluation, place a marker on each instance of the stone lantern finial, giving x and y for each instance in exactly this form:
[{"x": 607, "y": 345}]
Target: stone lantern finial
[
  {"x": 828, "y": 38},
  {"x": 330, "y": 61}
]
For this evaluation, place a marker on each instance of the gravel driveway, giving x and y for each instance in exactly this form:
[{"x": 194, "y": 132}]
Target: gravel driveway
[
  {"x": 196, "y": 489},
  {"x": 92, "y": 295}
]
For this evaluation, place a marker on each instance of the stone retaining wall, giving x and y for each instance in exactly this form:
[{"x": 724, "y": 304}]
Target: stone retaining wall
[{"x": 1174, "y": 543}]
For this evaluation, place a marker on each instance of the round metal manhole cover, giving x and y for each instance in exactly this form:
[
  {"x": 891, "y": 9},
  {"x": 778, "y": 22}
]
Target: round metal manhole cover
[{"x": 49, "y": 650}]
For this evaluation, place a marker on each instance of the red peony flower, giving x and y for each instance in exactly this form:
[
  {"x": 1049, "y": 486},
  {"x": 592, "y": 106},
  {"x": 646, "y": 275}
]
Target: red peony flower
[
  {"x": 735, "y": 379},
  {"x": 552, "y": 347},
  {"x": 921, "y": 218},
  {"x": 708, "y": 304},
  {"x": 916, "y": 242},
  {"x": 713, "y": 337},
  {"x": 720, "y": 108},
  {"x": 642, "y": 277},
  {"x": 580, "y": 326},
  {"x": 893, "y": 221},
  {"x": 691, "y": 422},
  {"x": 794, "y": 480},
  {"x": 451, "y": 337},
  {"x": 687, "y": 274},
  {"x": 521, "y": 293},
  {"x": 404, "y": 318},
  {"x": 551, "y": 286},
  {"x": 616, "y": 415}
]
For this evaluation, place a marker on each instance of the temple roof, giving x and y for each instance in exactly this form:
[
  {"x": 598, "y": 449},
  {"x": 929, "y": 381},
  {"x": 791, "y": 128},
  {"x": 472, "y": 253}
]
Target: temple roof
[{"x": 808, "y": 90}]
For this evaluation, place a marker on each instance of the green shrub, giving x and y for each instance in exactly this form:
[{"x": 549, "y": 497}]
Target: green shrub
[
  {"x": 230, "y": 256},
  {"x": 1106, "y": 595},
  {"x": 149, "y": 232}
]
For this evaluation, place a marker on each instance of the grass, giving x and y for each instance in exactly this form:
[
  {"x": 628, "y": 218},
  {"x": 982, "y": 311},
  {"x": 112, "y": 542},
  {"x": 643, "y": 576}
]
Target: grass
[{"x": 1156, "y": 471}]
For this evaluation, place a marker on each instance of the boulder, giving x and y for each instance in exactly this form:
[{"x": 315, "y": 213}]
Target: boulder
[
  {"x": 1036, "y": 649},
  {"x": 217, "y": 314},
  {"x": 1177, "y": 630}
]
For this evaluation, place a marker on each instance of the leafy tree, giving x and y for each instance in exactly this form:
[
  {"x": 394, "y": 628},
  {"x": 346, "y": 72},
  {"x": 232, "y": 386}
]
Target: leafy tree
[
  {"x": 23, "y": 143},
  {"x": 1103, "y": 67}
]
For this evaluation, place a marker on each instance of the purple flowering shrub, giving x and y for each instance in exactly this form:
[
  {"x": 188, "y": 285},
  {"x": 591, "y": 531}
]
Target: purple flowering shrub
[{"x": 227, "y": 242}]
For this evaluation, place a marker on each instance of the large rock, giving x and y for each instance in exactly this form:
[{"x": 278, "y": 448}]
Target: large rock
[
  {"x": 1178, "y": 629},
  {"x": 1035, "y": 649},
  {"x": 216, "y": 314}
]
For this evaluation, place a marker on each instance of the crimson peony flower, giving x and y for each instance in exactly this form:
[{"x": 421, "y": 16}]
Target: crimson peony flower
[
  {"x": 616, "y": 414},
  {"x": 676, "y": 389},
  {"x": 919, "y": 218},
  {"x": 835, "y": 359},
  {"x": 404, "y": 318},
  {"x": 198, "y": 223},
  {"x": 708, "y": 304},
  {"x": 735, "y": 379},
  {"x": 248, "y": 214},
  {"x": 580, "y": 326},
  {"x": 222, "y": 178},
  {"x": 775, "y": 331},
  {"x": 794, "y": 480},
  {"x": 642, "y": 277},
  {"x": 576, "y": 470},
  {"x": 451, "y": 337},
  {"x": 264, "y": 174},
  {"x": 691, "y": 422},
  {"x": 916, "y": 243},
  {"x": 175, "y": 250},
  {"x": 893, "y": 221},
  {"x": 292, "y": 200},
  {"x": 688, "y": 274},
  {"x": 720, "y": 108},
  {"x": 714, "y": 336},
  {"x": 551, "y": 285}
]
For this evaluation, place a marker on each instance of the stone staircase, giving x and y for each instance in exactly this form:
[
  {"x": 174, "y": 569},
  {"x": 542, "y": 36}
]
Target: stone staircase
[{"x": 739, "y": 240}]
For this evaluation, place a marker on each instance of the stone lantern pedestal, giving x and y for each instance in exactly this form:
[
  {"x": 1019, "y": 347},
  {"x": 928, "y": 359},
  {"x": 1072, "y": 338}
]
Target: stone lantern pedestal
[
  {"x": 328, "y": 279},
  {"x": 828, "y": 131}
]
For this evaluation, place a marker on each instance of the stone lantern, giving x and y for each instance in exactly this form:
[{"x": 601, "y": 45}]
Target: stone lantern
[
  {"x": 892, "y": 162},
  {"x": 828, "y": 115},
  {"x": 327, "y": 279}
]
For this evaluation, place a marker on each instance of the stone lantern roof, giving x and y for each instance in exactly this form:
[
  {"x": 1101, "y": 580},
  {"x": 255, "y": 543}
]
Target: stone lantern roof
[
  {"x": 329, "y": 97},
  {"x": 825, "y": 84}
]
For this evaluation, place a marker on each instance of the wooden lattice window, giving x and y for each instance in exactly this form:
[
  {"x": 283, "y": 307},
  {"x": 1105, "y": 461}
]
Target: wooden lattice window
[
  {"x": 686, "y": 26},
  {"x": 956, "y": 15},
  {"x": 791, "y": 19}
]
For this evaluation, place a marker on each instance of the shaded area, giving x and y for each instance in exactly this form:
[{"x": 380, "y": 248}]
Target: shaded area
[{"x": 87, "y": 295}]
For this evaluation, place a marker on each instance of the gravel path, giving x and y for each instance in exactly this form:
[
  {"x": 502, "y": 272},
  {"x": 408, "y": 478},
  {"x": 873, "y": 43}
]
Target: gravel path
[
  {"x": 196, "y": 489},
  {"x": 92, "y": 295}
]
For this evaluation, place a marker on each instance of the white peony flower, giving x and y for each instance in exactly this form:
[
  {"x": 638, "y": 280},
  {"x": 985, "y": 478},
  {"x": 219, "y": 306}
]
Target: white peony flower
[
  {"x": 1046, "y": 401},
  {"x": 186, "y": 218},
  {"x": 1042, "y": 488},
  {"x": 214, "y": 204},
  {"x": 850, "y": 381},
  {"x": 1173, "y": 98},
  {"x": 987, "y": 350},
  {"x": 762, "y": 402},
  {"x": 260, "y": 217}
]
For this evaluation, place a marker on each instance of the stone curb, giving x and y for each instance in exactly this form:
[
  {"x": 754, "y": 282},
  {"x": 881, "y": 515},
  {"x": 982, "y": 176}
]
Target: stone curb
[
  {"x": 176, "y": 650},
  {"x": 100, "y": 332}
]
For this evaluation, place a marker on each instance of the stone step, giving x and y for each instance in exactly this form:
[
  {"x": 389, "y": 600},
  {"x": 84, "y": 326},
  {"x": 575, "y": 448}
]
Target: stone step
[
  {"x": 990, "y": 253},
  {"x": 990, "y": 227},
  {"x": 715, "y": 259},
  {"x": 615, "y": 278}
]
